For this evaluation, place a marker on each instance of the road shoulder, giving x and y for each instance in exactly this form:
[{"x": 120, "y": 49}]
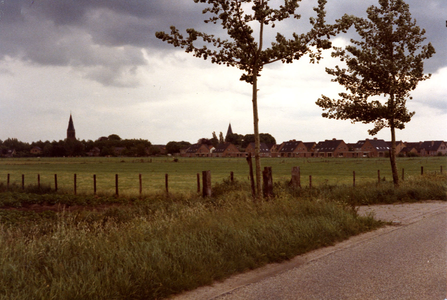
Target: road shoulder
[{"x": 398, "y": 215}]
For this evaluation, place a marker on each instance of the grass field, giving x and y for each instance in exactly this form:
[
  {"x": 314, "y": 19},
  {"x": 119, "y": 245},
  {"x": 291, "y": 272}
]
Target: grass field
[
  {"x": 65, "y": 246},
  {"x": 183, "y": 174}
]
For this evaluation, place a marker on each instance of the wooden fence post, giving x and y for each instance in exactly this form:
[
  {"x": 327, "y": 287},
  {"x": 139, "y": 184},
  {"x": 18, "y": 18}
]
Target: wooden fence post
[
  {"x": 422, "y": 170},
  {"x": 55, "y": 182},
  {"x": 310, "y": 181},
  {"x": 167, "y": 183},
  {"x": 38, "y": 181},
  {"x": 74, "y": 184},
  {"x": 353, "y": 178},
  {"x": 141, "y": 183},
  {"x": 378, "y": 176},
  {"x": 252, "y": 180},
  {"x": 7, "y": 182},
  {"x": 403, "y": 174},
  {"x": 116, "y": 185},
  {"x": 198, "y": 183},
  {"x": 23, "y": 181},
  {"x": 268, "y": 182},
  {"x": 232, "y": 176},
  {"x": 94, "y": 184},
  {"x": 296, "y": 177},
  {"x": 206, "y": 178}
]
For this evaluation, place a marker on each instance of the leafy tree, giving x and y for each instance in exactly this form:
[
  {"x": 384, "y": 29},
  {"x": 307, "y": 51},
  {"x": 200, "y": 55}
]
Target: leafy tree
[
  {"x": 15, "y": 144},
  {"x": 385, "y": 65},
  {"x": 221, "y": 138},
  {"x": 47, "y": 150},
  {"x": 73, "y": 147},
  {"x": 114, "y": 137},
  {"x": 205, "y": 141},
  {"x": 214, "y": 140},
  {"x": 106, "y": 151},
  {"x": 154, "y": 150},
  {"x": 175, "y": 147},
  {"x": 141, "y": 150},
  {"x": 245, "y": 50},
  {"x": 266, "y": 138},
  {"x": 234, "y": 138},
  {"x": 58, "y": 149}
]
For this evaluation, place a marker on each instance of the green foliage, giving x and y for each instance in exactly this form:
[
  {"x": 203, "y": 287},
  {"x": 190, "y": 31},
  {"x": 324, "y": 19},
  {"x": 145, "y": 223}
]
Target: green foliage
[
  {"x": 235, "y": 139},
  {"x": 161, "y": 245},
  {"x": 214, "y": 140},
  {"x": 388, "y": 62},
  {"x": 73, "y": 148},
  {"x": 429, "y": 187},
  {"x": 154, "y": 150},
  {"x": 114, "y": 137},
  {"x": 183, "y": 174},
  {"x": 175, "y": 147},
  {"x": 244, "y": 50},
  {"x": 266, "y": 138}
]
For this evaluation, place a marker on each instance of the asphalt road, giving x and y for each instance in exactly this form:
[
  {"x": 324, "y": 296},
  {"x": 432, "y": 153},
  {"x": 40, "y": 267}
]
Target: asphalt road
[
  {"x": 405, "y": 261},
  {"x": 408, "y": 263}
]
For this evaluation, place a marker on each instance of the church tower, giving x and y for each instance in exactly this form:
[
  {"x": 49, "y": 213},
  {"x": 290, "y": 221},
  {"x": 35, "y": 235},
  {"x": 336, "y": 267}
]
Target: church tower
[
  {"x": 229, "y": 132},
  {"x": 71, "y": 134}
]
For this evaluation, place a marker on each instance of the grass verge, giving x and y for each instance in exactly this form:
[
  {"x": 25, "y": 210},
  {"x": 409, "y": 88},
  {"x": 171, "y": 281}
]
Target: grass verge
[{"x": 151, "y": 248}]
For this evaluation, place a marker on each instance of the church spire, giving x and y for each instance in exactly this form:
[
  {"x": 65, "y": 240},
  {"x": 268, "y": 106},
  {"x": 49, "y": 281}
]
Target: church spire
[
  {"x": 71, "y": 133},
  {"x": 229, "y": 132}
]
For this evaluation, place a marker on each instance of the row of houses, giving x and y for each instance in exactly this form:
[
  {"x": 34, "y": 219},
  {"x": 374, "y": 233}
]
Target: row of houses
[{"x": 328, "y": 148}]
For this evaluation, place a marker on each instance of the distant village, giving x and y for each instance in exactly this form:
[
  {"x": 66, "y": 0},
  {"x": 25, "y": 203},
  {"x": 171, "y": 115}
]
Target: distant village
[
  {"x": 328, "y": 148},
  {"x": 232, "y": 145}
]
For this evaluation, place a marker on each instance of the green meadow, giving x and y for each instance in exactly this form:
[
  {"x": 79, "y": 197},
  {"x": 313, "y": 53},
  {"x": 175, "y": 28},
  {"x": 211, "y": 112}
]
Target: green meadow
[
  {"x": 65, "y": 246},
  {"x": 182, "y": 174}
]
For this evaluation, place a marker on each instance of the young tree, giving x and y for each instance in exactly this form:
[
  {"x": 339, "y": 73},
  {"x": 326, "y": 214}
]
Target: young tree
[
  {"x": 385, "y": 65},
  {"x": 246, "y": 51},
  {"x": 214, "y": 140}
]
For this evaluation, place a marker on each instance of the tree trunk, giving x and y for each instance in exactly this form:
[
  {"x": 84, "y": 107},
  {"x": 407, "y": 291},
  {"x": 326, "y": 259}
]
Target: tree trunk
[
  {"x": 256, "y": 133},
  {"x": 393, "y": 155},
  {"x": 255, "y": 111}
]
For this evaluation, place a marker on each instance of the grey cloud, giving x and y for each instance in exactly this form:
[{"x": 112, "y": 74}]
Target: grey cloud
[
  {"x": 429, "y": 15},
  {"x": 85, "y": 33},
  {"x": 107, "y": 35}
]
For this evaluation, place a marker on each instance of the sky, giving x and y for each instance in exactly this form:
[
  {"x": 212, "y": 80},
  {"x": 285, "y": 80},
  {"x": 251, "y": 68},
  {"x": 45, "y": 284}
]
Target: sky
[{"x": 100, "y": 61}]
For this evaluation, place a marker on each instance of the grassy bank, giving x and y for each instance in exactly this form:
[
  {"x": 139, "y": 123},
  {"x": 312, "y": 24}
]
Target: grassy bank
[
  {"x": 182, "y": 174},
  {"x": 101, "y": 247},
  {"x": 152, "y": 249}
]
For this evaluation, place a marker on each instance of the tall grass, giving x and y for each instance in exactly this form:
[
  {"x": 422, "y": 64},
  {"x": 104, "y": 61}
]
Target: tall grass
[
  {"x": 153, "y": 248},
  {"x": 415, "y": 188},
  {"x": 182, "y": 174},
  {"x": 161, "y": 244}
]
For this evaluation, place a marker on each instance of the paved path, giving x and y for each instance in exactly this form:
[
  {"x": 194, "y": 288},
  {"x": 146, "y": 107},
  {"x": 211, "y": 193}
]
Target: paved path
[{"x": 405, "y": 261}]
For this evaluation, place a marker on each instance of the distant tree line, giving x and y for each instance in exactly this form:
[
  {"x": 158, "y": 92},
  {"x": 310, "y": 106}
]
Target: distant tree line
[
  {"x": 112, "y": 145},
  {"x": 239, "y": 140}
]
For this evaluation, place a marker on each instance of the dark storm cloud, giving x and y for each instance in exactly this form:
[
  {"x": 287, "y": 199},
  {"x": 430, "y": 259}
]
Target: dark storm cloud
[
  {"x": 104, "y": 34},
  {"x": 109, "y": 34}
]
